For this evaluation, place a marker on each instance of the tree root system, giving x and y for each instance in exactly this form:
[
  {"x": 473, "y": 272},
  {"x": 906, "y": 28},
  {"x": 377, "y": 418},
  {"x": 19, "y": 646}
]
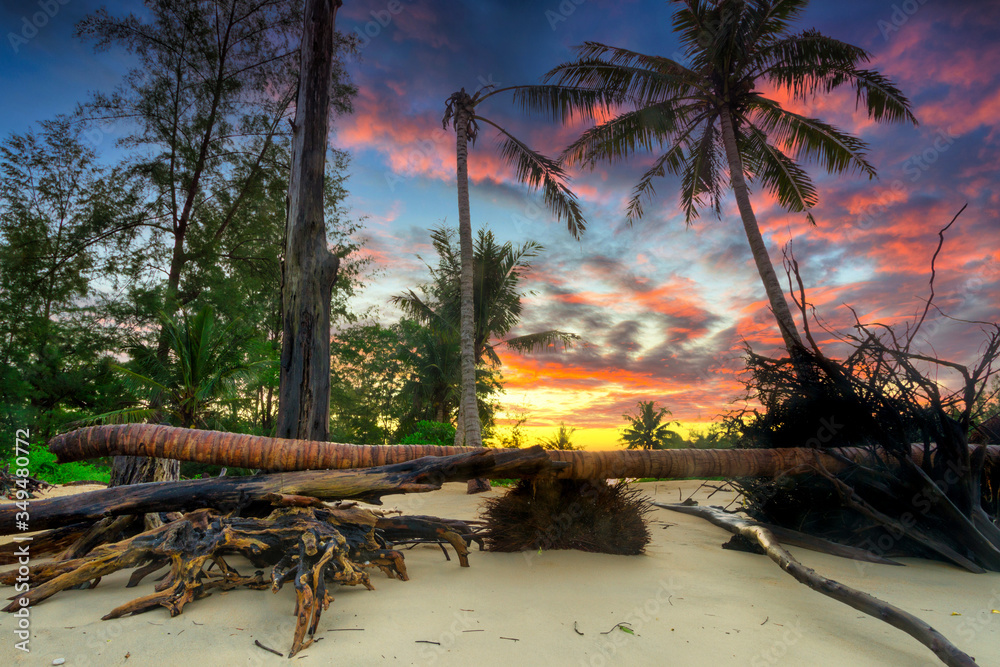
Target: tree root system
[{"x": 302, "y": 541}]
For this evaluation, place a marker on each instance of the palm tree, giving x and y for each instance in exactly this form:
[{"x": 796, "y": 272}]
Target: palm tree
[
  {"x": 530, "y": 167},
  {"x": 710, "y": 117},
  {"x": 252, "y": 451},
  {"x": 497, "y": 271},
  {"x": 203, "y": 370},
  {"x": 560, "y": 440},
  {"x": 646, "y": 429}
]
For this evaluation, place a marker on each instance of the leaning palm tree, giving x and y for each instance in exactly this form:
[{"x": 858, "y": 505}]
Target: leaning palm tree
[
  {"x": 531, "y": 168},
  {"x": 711, "y": 115}
]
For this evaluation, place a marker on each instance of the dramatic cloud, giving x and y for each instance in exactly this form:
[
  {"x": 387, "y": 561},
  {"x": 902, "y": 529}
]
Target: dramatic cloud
[{"x": 664, "y": 309}]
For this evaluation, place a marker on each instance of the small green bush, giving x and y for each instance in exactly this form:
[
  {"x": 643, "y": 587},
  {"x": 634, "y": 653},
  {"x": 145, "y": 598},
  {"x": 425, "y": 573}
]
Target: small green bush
[
  {"x": 42, "y": 465},
  {"x": 430, "y": 433}
]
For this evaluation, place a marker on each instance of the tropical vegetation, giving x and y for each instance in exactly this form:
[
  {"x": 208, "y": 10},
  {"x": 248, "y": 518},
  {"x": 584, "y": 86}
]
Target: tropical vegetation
[
  {"x": 647, "y": 430},
  {"x": 715, "y": 119}
]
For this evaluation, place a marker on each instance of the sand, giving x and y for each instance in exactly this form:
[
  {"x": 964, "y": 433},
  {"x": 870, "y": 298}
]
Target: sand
[{"x": 687, "y": 602}]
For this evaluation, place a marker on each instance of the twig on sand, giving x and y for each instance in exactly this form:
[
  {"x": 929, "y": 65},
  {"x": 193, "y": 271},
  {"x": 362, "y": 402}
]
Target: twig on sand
[
  {"x": 267, "y": 648},
  {"x": 947, "y": 652},
  {"x": 617, "y": 625}
]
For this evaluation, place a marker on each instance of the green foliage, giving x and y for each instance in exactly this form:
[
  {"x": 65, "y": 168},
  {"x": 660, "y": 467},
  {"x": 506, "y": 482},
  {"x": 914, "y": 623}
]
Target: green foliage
[
  {"x": 497, "y": 274},
  {"x": 191, "y": 216},
  {"x": 716, "y": 437},
  {"x": 42, "y": 464},
  {"x": 432, "y": 335},
  {"x": 59, "y": 216},
  {"x": 430, "y": 433},
  {"x": 646, "y": 429},
  {"x": 203, "y": 371},
  {"x": 369, "y": 367},
  {"x": 514, "y": 437}
]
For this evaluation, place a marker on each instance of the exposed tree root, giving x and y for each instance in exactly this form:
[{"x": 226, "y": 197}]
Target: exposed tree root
[
  {"x": 10, "y": 484},
  {"x": 948, "y": 653},
  {"x": 307, "y": 543},
  {"x": 47, "y": 542}
]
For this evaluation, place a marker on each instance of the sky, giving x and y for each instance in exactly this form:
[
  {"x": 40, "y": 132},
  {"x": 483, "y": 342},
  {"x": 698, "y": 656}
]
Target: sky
[{"x": 664, "y": 310}]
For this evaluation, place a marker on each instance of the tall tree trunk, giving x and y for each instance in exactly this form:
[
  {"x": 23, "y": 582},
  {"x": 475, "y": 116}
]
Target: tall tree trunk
[
  {"x": 471, "y": 429},
  {"x": 775, "y": 295},
  {"x": 309, "y": 268}
]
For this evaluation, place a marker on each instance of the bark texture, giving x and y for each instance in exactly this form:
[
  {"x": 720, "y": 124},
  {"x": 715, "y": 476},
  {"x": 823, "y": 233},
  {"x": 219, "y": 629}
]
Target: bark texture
[
  {"x": 775, "y": 295},
  {"x": 250, "y": 451},
  {"x": 231, "y": 493},
  {"x": 309, "y": 267},
  {"x": 470, "y": 432}
]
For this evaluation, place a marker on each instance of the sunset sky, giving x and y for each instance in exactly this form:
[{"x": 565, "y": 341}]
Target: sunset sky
[{"x": 663, "y": 310}]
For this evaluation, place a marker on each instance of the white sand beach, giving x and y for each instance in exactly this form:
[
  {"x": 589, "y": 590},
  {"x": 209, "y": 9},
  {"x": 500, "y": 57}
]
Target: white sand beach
[{"x": 687, "y": 602}]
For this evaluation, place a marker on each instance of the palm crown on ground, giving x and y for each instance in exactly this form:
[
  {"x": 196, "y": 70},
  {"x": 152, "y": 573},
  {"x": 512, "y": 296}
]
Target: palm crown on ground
[{"x": 708, "y": 117}]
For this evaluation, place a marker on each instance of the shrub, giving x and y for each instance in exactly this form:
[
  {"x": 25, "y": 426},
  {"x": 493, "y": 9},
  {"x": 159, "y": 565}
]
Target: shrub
[
  {"x": 430, "y": 433},
  {"x": 42, "y": 464}
]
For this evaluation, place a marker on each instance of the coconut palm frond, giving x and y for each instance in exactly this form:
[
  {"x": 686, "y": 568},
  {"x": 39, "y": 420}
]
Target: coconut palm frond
[
  {"x": 702, "y": 176},
  {"x": 809, "y": 138},
  {"x": 641, "y": 130},
  {"x": 543, "y": 340},
  {"x": 133, "y": 415},
  {"x": 785, "y": 179},
  {"x": 564, "y": 103},
  {"x": 537, "y": 170}
]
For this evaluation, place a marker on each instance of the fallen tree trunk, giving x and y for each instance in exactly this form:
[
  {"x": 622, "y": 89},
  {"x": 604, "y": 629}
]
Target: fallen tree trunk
[
  {"x": 250, "y": 451},
  {"x": 948, "y": 653},
  {"x": 426, "y": 474}
]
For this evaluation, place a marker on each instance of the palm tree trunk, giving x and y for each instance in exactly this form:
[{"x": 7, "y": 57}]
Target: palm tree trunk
[
  {"x": 775, "y": 295},
  {"x": 471, "y": 432},
  {"x": 309, "y": 267},
  {"x": 370, "y": 485},
  {"x": 252, "y": 451}
]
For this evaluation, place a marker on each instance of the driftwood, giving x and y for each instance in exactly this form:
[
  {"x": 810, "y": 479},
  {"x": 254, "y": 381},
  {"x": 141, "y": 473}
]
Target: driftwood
[
  {"x": 250, "y": 451},
  {"x": 307, "y": 543},
  {"x": 756, "y": 533},
  {"x": 806, "y": 541},
  {"x": 10, "y": 484},
  {"x": 227, "y": 493}
]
